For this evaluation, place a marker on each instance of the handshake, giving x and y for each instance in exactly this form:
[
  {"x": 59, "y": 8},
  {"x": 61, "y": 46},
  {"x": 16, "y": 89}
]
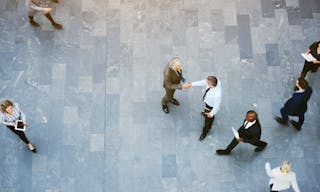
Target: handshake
[{"x": 186, "y": 85}]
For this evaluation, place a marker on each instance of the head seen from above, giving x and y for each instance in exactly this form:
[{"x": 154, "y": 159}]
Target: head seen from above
[
  {"x": 285, "y": 167},
  {"x": 175, "y": 64},
  {"x": 251, "y": 116},
  {"x": 212, "y": 81},
  {"x": 7, "y": 106}
]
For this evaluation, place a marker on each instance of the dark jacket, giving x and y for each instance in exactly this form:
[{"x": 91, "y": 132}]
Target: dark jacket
[
  {"x": 171, "y": 78},
  {"x": 252, "y": 134},
  {"x": 297, "y": 104}
]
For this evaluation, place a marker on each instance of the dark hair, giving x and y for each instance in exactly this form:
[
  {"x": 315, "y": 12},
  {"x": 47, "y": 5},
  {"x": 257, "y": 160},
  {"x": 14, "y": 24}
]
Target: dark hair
[
  {"x": 303, "y": 83},
  {"x": 213, "y": 80},
  {"x": 253, "y": 112},
  {"x": 5, "y": 104}
]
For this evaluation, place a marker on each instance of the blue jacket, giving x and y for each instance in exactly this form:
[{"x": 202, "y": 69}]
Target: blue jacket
[{"x": 297, "y": 104}]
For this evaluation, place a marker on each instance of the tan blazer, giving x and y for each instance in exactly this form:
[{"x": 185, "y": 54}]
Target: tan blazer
[{"x": 171, "y": 78}]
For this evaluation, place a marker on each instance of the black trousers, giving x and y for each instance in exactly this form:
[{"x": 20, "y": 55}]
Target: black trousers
[
  {"x": 308, "y": 66},
  {"x": 271, "y": 188},
  {"x": 20, "y": 134},
  {"x": 234, "y": 143},
  {"x": 285, "y": 115},
  {"x": 207, "y": 123}
]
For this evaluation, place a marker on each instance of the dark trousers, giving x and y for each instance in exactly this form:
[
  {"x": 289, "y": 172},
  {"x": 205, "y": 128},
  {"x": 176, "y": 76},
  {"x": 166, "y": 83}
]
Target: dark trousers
[
  {"x": 285, "y": 116},
  {"x": 234, "y": 143},
  {"x": 207, "y": 123},
  {"x": 271, "y": 188},
  {"x": 20, "y": 134},
  {"x": 168, "y": 97},
  {"x": 308, "y": 66}
]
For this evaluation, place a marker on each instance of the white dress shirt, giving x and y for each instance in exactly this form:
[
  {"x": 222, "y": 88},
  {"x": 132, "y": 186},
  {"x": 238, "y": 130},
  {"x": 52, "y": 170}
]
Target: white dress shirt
[
  {"x": 11, "y": 119},
  {"x": 248, "y": 124},
  {"x": 281, "y": 181},
  {"x": 213, "y": 96}
]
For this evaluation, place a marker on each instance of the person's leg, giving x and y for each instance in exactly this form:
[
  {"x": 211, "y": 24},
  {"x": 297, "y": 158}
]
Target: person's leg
[
  {"x": 207, "y": 126},
  {"x": 20, "y": 134},
  {"x": 166, "y": 99},
  {"x": 226, "y": 151},
  {"x": 32, "y": 22},
  {"x": 55, "y": 25},
  {"x": 260, "y": 145},
  {"x": 306, "y": 68},
  {"x": 55, "y": 1}
]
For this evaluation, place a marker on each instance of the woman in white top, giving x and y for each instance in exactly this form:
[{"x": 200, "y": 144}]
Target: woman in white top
[
  {"x": 281, "y": 178},
  {"x": 10, "y": 114}
]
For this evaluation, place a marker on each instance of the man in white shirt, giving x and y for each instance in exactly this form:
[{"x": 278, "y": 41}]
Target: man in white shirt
[{"x": 212, "y": 100}]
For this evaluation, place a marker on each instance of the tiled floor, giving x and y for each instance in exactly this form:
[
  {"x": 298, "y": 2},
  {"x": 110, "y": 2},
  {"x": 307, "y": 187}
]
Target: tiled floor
[{"x": 92, "y": 94}]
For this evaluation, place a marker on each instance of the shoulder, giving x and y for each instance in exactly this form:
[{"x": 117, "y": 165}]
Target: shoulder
[{"x": 314, "y": 45}]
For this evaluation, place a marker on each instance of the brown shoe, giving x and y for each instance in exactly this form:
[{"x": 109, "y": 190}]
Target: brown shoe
[{"x": 223, "y": 152}]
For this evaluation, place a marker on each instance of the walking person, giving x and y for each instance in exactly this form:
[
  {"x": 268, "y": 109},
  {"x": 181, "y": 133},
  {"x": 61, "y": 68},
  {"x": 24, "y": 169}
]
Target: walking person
[
  {"x": 297, "y": 105},
  {"x": 10, "y": 114},
  {"x": 281, "y": 178},
  {"x": 172, "y": 81},
  {"x": 249, "y": 132},
  {"x": 33, "y": 8},
  {"x": 312, "y": 66},
  {"x": 212, "y": 100}
]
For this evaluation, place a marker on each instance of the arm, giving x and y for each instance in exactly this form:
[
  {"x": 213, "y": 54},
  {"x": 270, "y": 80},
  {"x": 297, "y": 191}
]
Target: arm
[
  {"x": 170, "y": 85},
  {"x": 34, "y": 6},
  {"x": 217, "y": 100},
  {"x": 22, "y": 115},
  {"x": 201, "y": 83},
  {"x": 5, "y": 122},
  {"x": 268, "y": 169},
  {"x": 294, "y": 184}
]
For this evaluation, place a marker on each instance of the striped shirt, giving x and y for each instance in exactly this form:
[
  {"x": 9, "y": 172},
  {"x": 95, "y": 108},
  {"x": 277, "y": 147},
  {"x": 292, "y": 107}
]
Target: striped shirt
[{"x": 17, "y": 114}]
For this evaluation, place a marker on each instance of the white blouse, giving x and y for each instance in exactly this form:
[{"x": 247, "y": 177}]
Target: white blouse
[{"x": 281, "y": 181}]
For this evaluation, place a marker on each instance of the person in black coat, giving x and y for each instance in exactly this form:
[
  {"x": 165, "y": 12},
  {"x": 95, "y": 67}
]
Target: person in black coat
[
  {"x": 296, "y": 105},
  {"x": 249, "y": 132},
  {"x": 313, "y": 66}
]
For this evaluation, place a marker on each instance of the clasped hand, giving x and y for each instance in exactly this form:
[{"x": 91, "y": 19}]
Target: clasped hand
[{"x": 186, "y": 85}]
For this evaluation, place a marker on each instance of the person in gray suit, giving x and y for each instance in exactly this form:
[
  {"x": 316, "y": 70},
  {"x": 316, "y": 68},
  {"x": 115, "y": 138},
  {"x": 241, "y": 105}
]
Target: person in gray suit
[{"x": 172, "y": 81}]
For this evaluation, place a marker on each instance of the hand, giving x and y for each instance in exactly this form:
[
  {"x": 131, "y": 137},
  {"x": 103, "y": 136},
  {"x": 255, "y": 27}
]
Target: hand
[
  {"x": 240, "y": 139},
  {"x": 209, "y": 115},
  {"x": 48, "y": 9},
  {"x": 25, "y": 123},
  {"x": 186, "y": 85}
]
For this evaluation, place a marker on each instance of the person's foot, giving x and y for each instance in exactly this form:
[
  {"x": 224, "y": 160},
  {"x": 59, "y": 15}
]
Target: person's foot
[
  {"x": 174, "y": 101},
  {"x": 165, "y": 108},
  {"x": 258, "y": 149},
  {"x": 32, "y": 148},
  {"x": 202, "y": 136},
  {"x": 281, "y": 121},
  {"x": 55, "y": 1},
  {"x": 295, "y": 125},
  {"x": 33, "y": 23},
  {"x": 223, "y": 152},
  {"x": 57, "y": 26}
]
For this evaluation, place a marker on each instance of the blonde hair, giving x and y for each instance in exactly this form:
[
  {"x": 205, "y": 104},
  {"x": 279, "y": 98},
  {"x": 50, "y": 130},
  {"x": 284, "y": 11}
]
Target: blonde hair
[
  {"x": 5, "y": 104},
  {"x": 285, "y": 167},
  {"x": 175, "y": 62}
]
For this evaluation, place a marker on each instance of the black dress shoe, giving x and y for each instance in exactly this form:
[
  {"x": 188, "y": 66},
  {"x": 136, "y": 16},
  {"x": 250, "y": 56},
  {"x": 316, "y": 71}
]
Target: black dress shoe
[
  {"x": 174, "y": 101},
  {"x": 202, "y": 136},
  {"x": 281, "y": 121},
  {"x": 165, "y": 108},
  {"x": 295, "y": 125},
  {"x": 223, "y": 152},
  {"x": 34, "y": 150}
]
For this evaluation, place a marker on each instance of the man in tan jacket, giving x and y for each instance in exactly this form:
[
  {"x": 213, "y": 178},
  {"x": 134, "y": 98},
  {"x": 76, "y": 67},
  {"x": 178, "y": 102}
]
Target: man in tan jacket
[{"x": 172, "y": 78}]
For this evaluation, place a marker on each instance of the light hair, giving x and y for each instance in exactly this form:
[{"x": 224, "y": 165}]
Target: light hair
[
  {"x": 5, "y": 104},
  {"x": 175, "y": 62},
  {"x": 286, "y": 167}
]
